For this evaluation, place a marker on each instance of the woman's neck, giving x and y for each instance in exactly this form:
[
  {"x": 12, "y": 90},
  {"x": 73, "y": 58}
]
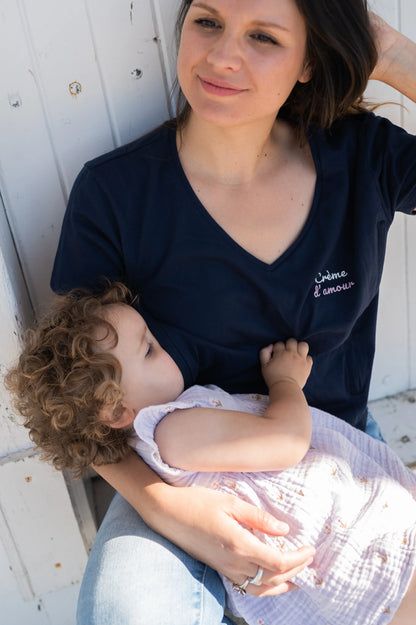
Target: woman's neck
[{"x": 230, "y": 156}]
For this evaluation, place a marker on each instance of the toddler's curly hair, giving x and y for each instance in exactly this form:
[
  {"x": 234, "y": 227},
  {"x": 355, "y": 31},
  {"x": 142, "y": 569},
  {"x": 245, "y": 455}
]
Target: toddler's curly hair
[{"x": 63, "y": 381}]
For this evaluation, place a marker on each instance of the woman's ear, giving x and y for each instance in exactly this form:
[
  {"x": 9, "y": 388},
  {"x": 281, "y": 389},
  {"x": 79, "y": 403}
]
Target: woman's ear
[
  {"x": 119, "y": 416},
  {"x": 307, "y": 73}
]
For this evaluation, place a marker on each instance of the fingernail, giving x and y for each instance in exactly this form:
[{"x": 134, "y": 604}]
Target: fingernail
[{"x": 280, "y": 526}]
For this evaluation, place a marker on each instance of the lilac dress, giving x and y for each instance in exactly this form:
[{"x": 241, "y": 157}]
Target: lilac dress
[{"x": 351, "y": 497}]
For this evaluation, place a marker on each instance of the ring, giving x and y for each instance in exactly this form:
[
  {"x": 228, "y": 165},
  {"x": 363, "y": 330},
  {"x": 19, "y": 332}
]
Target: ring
[
  {"x": 256, "y": 580},
  {"x": 241, "y": 588}
]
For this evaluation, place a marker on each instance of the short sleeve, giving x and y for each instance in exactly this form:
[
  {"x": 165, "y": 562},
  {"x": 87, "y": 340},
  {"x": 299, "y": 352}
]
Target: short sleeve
[
  {"x": 90, "y": 247},
  {"x": 143, "y": 439},
  {"x": 392, "y": 154}
]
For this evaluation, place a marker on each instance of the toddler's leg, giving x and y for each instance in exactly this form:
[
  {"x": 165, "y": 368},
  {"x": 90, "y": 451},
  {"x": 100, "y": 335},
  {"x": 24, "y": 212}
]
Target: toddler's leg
[
  {"x": 406, "y": 614},
  {"x": 136, "y": 577}
]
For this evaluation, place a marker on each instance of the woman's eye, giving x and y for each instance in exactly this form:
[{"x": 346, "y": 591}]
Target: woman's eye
[
  {"x": 207, "y": 24},
  {"x": 261, "y": 38}
]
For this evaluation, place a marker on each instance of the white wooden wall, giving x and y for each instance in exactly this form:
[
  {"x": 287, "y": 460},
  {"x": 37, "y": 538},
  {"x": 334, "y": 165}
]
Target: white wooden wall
[
  {"x": 395, "y": 364},
  {"x": 77, "y": 78}
]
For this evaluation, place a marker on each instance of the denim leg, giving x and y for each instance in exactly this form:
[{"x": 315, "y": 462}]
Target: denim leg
[
  {"x": 372, "y": 428},
  {"x": 136, "y": 577}
]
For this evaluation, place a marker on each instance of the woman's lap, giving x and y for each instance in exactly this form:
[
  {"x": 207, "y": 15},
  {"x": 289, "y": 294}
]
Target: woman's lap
[{"x": 136, "y": 577}]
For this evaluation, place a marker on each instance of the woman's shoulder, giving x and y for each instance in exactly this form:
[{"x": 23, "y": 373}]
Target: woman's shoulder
[
  {"x": 364, "y": 126},
  {"x": 364, "y": 140},
  {"x": 156, "y": 144}
]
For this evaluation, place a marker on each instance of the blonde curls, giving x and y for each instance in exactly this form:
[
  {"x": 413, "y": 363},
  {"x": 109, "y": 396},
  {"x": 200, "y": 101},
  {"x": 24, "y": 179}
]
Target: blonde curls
[{"x": 62, "y": 382}]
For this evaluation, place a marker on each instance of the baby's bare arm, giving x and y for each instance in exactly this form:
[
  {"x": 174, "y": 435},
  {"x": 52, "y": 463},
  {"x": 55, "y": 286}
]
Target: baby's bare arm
[{"x": 211, "y": 439}]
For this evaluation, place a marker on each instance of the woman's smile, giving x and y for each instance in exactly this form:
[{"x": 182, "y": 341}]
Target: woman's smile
[
  {"x": 232, "y": 48},
  {"x": 219, "y": 87}
]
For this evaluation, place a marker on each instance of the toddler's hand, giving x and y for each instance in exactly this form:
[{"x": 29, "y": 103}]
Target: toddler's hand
[{"x": 288, "y": 360}]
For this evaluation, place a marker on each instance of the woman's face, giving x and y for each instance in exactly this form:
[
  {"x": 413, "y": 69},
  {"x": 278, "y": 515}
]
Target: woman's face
[{"x": 239, "y": 60}]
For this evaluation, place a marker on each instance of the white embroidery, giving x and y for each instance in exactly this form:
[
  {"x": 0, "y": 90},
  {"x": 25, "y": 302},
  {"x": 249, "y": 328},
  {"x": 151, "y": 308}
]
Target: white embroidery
[{"x": 328, "y": 276}]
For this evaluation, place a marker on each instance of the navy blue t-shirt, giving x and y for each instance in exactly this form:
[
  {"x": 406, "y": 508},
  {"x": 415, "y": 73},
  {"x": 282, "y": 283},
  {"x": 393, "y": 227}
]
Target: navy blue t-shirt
[{"x": 133, "y": 216}]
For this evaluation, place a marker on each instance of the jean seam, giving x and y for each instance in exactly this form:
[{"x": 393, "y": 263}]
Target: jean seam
[{"x": 201, "y": 589}]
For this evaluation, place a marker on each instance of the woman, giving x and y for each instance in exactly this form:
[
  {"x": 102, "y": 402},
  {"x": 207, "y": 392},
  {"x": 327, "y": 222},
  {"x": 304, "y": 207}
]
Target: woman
[{"x": 247, "y": 223}]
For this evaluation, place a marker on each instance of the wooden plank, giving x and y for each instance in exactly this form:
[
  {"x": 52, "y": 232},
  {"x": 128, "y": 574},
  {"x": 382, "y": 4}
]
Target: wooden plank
[
  {"x": 165, "y": 18},
  {"x": 29, "y": 181},
  {"x": 391, "y": 367},
  {"x": 69, "y": 91},
  {"x": 47, "y": 133},
  {"x": 13, "y": 610},
  {"x": 56, "y": 608},
  {"x": 40, "y": 533},
  {"x": 396, "y": 416},
  {"x": 15, "y": 313},
  {"x": 411, "y": 281},
  {"x": 127, "y": 48},
  {"x": 408, "y": 26},
  {"x": 69, "y": 83},
  {"x": 391, "y": 372}
]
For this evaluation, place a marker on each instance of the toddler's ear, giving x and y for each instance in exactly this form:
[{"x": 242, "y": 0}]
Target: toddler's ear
[{"x": 119, "y": 416}]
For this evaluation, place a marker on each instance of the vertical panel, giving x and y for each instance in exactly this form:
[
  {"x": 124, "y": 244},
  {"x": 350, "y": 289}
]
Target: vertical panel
[
  {"x": 52, "y": 609},
  {"x": 408, "y": 22},
  {"x": 391, "y": 366},
  {"x": 165, "y": 15},
  {"x": 15, "y": 313},
  {"x": 29, "y": 179},
  {"x": 408, "y": 27},
  {"x": 69, "y": 84},
  {"x": 44, "y": 538},
  {"x": 411, "y": 282},
  {"x": 127, "y": 49},
  {"x": 85, "y": 75},
  {"x": 391, "y": 372},
  {"x": 47, "y": 132},
  {"x": 13, "y": 610}
]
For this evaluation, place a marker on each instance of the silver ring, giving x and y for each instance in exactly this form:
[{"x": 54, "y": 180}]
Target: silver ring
[
  {"x": 241, "y": 588},
  {"x": 256, "y": 580}
]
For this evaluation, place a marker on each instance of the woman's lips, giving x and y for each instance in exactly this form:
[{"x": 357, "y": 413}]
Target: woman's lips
[{"x": 218, "y": 87}]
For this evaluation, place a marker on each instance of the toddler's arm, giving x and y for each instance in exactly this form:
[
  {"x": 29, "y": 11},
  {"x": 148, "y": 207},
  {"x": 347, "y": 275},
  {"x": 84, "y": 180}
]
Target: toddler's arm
[{"x": 210, "y": 439}]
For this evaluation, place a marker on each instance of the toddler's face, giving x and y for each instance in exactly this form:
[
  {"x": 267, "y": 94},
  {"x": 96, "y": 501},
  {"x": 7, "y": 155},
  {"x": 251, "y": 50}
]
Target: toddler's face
[{"x": 149, "y": 375}]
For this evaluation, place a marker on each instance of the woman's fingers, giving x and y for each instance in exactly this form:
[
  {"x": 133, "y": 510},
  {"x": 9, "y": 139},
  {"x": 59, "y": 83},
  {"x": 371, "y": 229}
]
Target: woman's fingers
[
  {"x": 279, "y": 567},
  {"x": 217, "y": 529},
  {"x": 277, "y": 584}
]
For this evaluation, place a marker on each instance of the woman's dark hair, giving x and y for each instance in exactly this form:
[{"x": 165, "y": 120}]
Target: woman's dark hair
[{"x": 341, "y": 53}]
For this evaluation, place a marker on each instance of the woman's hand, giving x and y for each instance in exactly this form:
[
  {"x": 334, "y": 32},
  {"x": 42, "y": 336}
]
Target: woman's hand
[
  {"x": 396, "y": 65},
  {"x": 216, "y": 528},
  {"x": 211, "y": 526}
]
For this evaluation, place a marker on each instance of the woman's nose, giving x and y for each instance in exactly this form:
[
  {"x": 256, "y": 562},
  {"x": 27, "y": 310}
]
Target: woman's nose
[{"x": 226, "y": 52}]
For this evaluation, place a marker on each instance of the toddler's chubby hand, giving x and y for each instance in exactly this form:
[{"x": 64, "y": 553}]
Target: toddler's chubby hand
[{"x": 286, "y": 361}]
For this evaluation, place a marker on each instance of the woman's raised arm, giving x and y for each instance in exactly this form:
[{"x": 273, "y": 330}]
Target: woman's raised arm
[
  {"x": 396, "y": 64},
  {"x": 208, "y": 525}
]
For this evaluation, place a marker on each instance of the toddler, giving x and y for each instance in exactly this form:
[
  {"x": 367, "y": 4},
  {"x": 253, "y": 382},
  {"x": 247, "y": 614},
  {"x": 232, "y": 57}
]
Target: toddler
[{"x": 92, "y": 382}]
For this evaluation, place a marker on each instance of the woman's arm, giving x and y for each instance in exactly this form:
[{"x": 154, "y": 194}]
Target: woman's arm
[
  {"x": 209, "y": 525},
  {"x": 210, "y": 439},
  {"x": 396, "y": 64}
]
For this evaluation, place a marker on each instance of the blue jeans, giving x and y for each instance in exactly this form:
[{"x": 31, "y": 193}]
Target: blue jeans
[
  {"x": 136, "y": 577},
  {"x": 372, "y": 428}
]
